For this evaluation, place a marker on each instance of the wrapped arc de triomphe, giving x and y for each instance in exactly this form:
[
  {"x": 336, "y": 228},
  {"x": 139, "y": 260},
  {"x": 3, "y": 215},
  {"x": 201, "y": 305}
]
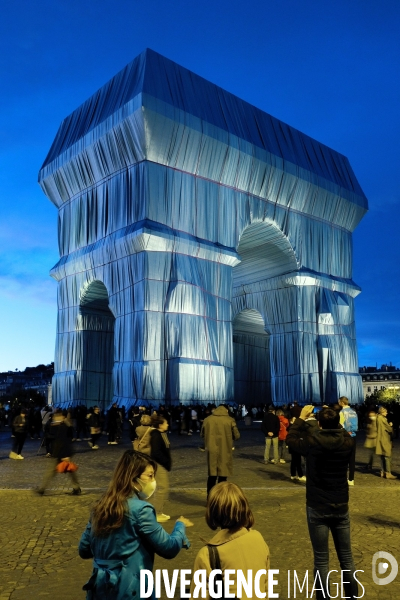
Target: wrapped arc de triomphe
[{"x": 206, "y": 249}]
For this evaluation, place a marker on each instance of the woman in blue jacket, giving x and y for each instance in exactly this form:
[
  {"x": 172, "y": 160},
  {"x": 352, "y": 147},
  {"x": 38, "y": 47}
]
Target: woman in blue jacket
[{"x": 123, "y": 535}]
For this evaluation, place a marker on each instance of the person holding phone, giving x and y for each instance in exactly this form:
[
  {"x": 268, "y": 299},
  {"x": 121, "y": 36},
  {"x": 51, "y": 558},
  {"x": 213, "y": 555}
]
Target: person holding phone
[
  {"x": 123, "y": 535},
  {"x": 328, "y": 451}
]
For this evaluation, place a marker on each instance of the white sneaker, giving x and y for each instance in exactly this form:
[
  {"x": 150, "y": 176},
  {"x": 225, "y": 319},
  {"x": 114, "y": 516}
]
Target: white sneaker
[
  {"x": 350, "y": 482},
  {"x": 273, "y": 461},
  {"x": 13, "y": 455},
  {"x": 95, "y": 447},
  {"x": 162, "y": 518},
  {"x": 304, "y": 478},
  {"x": 282, "y": 461},
  {"x": 113, "y": 443},
  {"x": 78, "y": 440},
  {"x": 22, "y": 458},
  {"x": 294, "y": 477}
]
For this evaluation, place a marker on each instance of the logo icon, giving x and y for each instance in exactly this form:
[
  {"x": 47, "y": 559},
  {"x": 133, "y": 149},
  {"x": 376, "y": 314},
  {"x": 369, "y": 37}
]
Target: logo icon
[{"x": 381, "y": 567}]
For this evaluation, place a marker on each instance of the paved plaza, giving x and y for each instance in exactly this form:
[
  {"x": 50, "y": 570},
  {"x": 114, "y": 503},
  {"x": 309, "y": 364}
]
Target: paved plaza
[{"x": 39, "y": 535}]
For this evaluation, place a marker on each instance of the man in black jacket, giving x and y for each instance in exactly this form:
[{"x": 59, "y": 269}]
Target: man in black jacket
[
  {"x": 270, "y": 428},
  {"x": 327, "y": 450}
]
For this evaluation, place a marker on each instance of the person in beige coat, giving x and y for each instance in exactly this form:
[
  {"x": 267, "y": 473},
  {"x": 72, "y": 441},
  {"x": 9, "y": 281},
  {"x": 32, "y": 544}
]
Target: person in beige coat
[
  {"x": 219, "y": 432},
  {"x": 238, "y": 546},
  {"x": 143, "y": 441},
  {"x": 384, "y": 432}
]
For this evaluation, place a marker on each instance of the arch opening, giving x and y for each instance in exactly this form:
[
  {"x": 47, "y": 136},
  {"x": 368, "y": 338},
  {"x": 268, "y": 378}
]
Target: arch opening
[
  {"x": 265, "y": 252},
  {"x": 251, "y": 357},
  {"x": 96, "y": 325}
]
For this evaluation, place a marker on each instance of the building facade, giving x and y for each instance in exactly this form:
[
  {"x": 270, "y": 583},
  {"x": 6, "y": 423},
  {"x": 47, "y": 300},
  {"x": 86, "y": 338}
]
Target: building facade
[{"x": 374, "y": 379}]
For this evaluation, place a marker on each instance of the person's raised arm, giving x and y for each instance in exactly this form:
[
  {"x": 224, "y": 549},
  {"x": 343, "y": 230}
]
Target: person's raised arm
[
  {"x": 297, "y": 434},
  {"x": 153, "y": 534}
]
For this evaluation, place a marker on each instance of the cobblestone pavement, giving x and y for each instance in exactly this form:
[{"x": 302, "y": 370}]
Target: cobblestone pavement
[{"x": 39, "y": 535}]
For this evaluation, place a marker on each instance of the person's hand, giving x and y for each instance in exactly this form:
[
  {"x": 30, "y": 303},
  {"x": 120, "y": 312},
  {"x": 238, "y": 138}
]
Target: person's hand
[
  {"x": 306, "y": 411},
  {"x": 270, "y": 434},
  {"x": 185, "y": 521},
  {"x": 391, "y": 424}
]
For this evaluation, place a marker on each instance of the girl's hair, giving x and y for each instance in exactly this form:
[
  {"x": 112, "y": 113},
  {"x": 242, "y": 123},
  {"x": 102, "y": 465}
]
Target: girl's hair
[
  {"x": 279, "y": 412},
  {"x": 227, "y": 507},
  {"x": 108, "y": 513},
  {"x": 145, "y": 420},
  {"x": 157, "y": 420}
]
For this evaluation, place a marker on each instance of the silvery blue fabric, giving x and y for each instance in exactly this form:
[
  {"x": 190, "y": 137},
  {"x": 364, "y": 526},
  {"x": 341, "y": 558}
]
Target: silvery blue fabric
[{"x": 205, "y": 249}]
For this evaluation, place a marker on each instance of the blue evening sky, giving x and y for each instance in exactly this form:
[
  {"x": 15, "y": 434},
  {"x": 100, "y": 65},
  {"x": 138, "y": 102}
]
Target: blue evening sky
[{"x": 330, "y": 68}]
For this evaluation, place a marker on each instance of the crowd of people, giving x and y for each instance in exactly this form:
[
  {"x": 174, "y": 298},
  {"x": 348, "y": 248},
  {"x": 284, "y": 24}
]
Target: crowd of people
[
  {"x": 121, "y": 546},
  {"x": 125, "y": 529},
  {"x": 378, "y": 424},
  {"x": 91, "y": 425}
]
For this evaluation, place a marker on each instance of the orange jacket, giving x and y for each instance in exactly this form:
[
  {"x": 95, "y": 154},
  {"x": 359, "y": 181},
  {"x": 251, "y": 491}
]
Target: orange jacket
[{"x": 284, "y": 427}]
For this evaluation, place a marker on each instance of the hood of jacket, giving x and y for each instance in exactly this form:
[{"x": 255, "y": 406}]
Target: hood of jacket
[
  {"x": 330, "y": 439},
  {"x": 220, "y": 411}
]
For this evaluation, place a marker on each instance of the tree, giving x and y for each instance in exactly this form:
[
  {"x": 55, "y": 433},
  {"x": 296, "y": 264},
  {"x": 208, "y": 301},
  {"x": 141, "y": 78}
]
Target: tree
[{"x": 384, "y": 396}]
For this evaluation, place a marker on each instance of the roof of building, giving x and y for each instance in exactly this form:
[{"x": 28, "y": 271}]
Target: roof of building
[{"x": 160, "y": 79}]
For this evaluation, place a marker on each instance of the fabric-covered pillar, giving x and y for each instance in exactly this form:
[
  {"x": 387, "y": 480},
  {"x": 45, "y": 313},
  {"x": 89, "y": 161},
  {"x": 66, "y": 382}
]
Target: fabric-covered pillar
[
  {"x": 85, "y": 341},
  {"x": 173, "y": 330}
]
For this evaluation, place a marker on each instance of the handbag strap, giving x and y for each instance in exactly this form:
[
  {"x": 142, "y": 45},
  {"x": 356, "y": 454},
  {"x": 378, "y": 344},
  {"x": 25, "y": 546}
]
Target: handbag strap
[
  {"x": 215, "y": 561},
  {"x": 145, "y": 433}
]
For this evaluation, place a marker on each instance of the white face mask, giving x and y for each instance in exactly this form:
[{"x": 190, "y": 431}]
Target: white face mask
[{"x": 148, "y": 488}]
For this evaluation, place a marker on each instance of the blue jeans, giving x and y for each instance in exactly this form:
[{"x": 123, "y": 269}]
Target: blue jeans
[{"x": 319, "y": 524}]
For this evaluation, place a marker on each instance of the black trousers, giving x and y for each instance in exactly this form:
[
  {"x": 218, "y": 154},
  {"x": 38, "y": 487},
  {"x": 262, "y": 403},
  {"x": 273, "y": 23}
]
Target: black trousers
[
  {"x": 95, "y": 437},
  {"x": 295, "y": 465},
  {"x": 112, "y": 433},
  {"x": 352, "y": 462},
  {"x": 212, "y": 480},
  {"x": 19, "y": 442}
]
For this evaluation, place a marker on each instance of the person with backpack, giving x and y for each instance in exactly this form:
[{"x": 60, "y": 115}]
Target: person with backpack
[
  {"x": 349, "y": 422},
  {"x": 142, "y": 443}
]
